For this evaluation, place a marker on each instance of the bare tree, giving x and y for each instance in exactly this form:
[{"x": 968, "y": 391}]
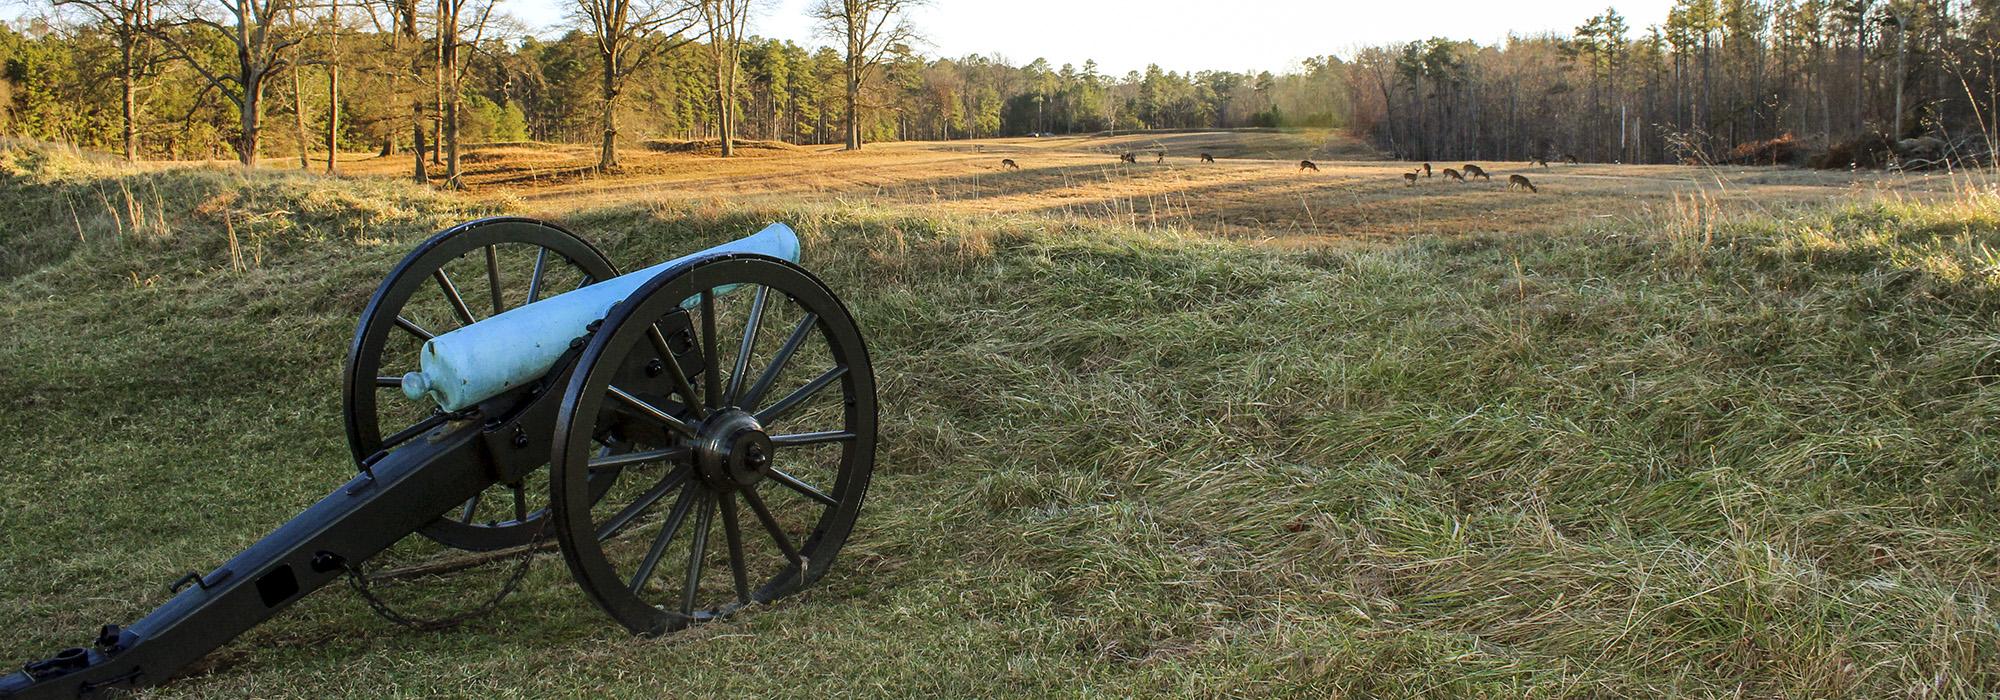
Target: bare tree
[
  {"x": 1899, "y": 14},
  {"x": 383, "y": 56},
  {"x": 453, "y": 30},
  {"x": 130, "y": 24},
  {"x": 404, "y": 59},
  {"x": 629, "y": 34},
  {"x": 726, "y": 22},
  {"x": 869, "y": 29},
  {"x": 261, "y": 42},
  {"x": 299, "y": 103},
  {"x": 334, "y": 25}
]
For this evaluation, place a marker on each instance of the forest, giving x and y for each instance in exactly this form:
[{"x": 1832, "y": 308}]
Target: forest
[{"x": 1835, "y": 83}]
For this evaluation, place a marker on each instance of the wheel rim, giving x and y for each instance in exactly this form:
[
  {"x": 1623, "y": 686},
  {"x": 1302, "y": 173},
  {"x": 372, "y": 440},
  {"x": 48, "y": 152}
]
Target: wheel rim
[
  {"x": 775, "y": 438},
  {"x": 462, "y": 274}
]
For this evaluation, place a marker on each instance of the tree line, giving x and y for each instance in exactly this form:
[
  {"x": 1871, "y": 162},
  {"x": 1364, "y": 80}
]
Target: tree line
[
  {"x": 254, "y": 79},
  {"x": 198, "y": 78},
  {"x": 1720, "y": 80}
]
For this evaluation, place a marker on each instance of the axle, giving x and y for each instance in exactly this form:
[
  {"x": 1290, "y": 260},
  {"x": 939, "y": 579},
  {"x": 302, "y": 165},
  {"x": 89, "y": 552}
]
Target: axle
[{"x": 398, "y": 494}]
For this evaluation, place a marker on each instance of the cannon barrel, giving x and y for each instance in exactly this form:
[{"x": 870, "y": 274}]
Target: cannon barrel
[{"x": 482, "y": 360}]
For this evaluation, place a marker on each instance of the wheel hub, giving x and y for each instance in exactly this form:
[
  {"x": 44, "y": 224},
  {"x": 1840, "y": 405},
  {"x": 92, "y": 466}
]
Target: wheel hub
[{"x": 733, "y": 450}]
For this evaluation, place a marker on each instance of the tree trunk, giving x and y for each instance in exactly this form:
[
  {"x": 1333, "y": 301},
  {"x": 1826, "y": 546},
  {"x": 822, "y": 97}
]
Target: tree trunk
[
  {"x": 333, "y": 90},
  {"x": 1825, "y": 100},
  {"x": 1902, "y": 73},
  {"x": 299, "y": 119},
  {"x": 406, "y": 35},
  {"x": 1705, "y": 121},
  {"x": 332, "y": 115},
  {"x": 251, "y": 107},
  {"x": 724, "y": 103},
  {"x": 854, "y": 103},
  {"x": 451, "y": 173},
  {"x": 129, "y": 83},
  {"x": 437, "y": 91},
  {"x": 607, "y": 158},
  {"x": 1860, "y": 68},
  {"x": 417, "y": 147},
  {"x": 450, "y": 74},
  {"x": 131, "y": 110}
]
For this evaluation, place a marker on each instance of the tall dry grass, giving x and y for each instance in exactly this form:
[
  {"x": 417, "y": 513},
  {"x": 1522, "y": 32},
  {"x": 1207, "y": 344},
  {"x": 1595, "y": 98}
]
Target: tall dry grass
[{"x": 1712, "y": 454}]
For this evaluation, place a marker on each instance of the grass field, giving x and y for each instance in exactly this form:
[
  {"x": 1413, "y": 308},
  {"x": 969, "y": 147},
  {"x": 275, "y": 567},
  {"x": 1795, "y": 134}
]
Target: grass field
[
  {"x": 1655, "y": 431},
  {"x": 1255, "y": 190}
]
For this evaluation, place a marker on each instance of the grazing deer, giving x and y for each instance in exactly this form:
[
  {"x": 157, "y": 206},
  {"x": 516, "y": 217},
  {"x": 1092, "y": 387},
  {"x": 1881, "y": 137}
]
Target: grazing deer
[
  {"x": 1206, "y": 158},
  {"x": 1544, "y": 162},
  {"x": 1159, "y": 157},
  {"x": 1476, "y": 171},
  {"x": 1128, "y": 158},
  {"x": 1305, "y": 165},
  {"x": 1410, "y": 178},
  {"x": 1522, "y": 182},
  {"x": 1009, "y": 164},
  {"x": 1569, "y": 158},
  {"x": 1427, "y": 170},
  {"x": 1453, "y": 174}
]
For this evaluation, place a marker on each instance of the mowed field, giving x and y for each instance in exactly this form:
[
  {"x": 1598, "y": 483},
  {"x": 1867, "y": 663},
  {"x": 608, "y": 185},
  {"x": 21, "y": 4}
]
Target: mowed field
[{"x": 1255, "y": 190}]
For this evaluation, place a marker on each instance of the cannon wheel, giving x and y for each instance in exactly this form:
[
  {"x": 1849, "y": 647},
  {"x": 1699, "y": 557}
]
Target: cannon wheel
[
  {"x": 459, "y": 275},
  {"x": 777, "y": 442}
]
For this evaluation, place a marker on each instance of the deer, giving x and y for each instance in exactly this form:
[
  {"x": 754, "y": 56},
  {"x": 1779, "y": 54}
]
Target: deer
[
  {"x": 1453, "y": 174},
  {"x": 1305, "y": 165},
  {"x": 1569, "y": 158},
  {"x": 1522, "y": 182},
  {"x": 1410, "y": 178},
  {"x": 1476, "y": 171},
  {"x": 1009, "y": 164},
  {"x": 1128, "y": 158},
  {"x": 1544, "y": 162},
  {"x": 1206, "y": 158},
  {"x": 1427, "y": 170}
]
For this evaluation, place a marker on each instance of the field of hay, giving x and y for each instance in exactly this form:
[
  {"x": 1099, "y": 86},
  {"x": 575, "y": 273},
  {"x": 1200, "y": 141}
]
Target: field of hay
[{"x": 1181, "y": 430}]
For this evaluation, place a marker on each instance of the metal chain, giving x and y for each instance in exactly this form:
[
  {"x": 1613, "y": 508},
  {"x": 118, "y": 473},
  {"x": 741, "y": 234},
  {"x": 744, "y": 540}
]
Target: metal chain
[{"x": 358, "y": 580}]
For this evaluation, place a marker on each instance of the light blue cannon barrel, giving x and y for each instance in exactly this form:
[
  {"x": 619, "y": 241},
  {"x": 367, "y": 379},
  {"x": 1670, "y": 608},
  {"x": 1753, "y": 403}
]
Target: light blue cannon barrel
[{"x": 477, "y": 362}]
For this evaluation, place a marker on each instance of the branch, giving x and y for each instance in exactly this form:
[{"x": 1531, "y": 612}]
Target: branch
[{"x": 220, "y": 82}]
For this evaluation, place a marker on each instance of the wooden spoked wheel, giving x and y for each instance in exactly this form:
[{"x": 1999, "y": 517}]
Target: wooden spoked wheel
[{"x": 774, "y": 438}]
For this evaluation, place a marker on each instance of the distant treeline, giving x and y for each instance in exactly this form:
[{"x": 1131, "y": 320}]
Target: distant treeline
[
  {"x": 1731, "y": 80},
  {"x": 1723, "y": 79}
]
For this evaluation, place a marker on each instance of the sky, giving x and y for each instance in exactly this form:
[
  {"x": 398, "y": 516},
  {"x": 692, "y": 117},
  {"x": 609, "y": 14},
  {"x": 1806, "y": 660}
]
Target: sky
[{"x": 1184, "y": 35}]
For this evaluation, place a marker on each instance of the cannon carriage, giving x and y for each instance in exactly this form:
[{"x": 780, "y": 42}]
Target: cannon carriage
[{"x": 619, "y": 416}]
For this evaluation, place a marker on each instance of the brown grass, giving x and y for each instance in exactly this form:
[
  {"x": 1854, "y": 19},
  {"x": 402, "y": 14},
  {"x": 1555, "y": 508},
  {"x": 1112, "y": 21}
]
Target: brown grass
[{"x": 1254, "y": 192}]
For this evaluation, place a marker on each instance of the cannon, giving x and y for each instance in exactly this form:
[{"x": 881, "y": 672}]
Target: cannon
[{"x": 619, "y": 416}]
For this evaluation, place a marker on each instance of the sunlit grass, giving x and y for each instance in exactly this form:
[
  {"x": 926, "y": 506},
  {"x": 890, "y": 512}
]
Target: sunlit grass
[{"x": 1749, "y": 455}]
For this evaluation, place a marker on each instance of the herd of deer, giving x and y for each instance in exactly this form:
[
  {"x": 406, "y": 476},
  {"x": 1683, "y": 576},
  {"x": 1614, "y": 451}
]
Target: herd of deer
[
  {"x": 1470, "y": 170},
  {"x": 1409, "y": 179}
]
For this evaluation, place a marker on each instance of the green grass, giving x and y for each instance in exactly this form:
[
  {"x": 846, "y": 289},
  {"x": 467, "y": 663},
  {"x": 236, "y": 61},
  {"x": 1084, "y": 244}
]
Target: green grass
[{"x": 1601, "y": 463}]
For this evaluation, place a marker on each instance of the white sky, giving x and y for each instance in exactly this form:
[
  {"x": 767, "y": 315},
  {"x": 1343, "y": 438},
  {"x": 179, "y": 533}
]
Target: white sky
[
  {"x": 1186, "y": 35},
  {"x": 1181, "y": 35}
]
